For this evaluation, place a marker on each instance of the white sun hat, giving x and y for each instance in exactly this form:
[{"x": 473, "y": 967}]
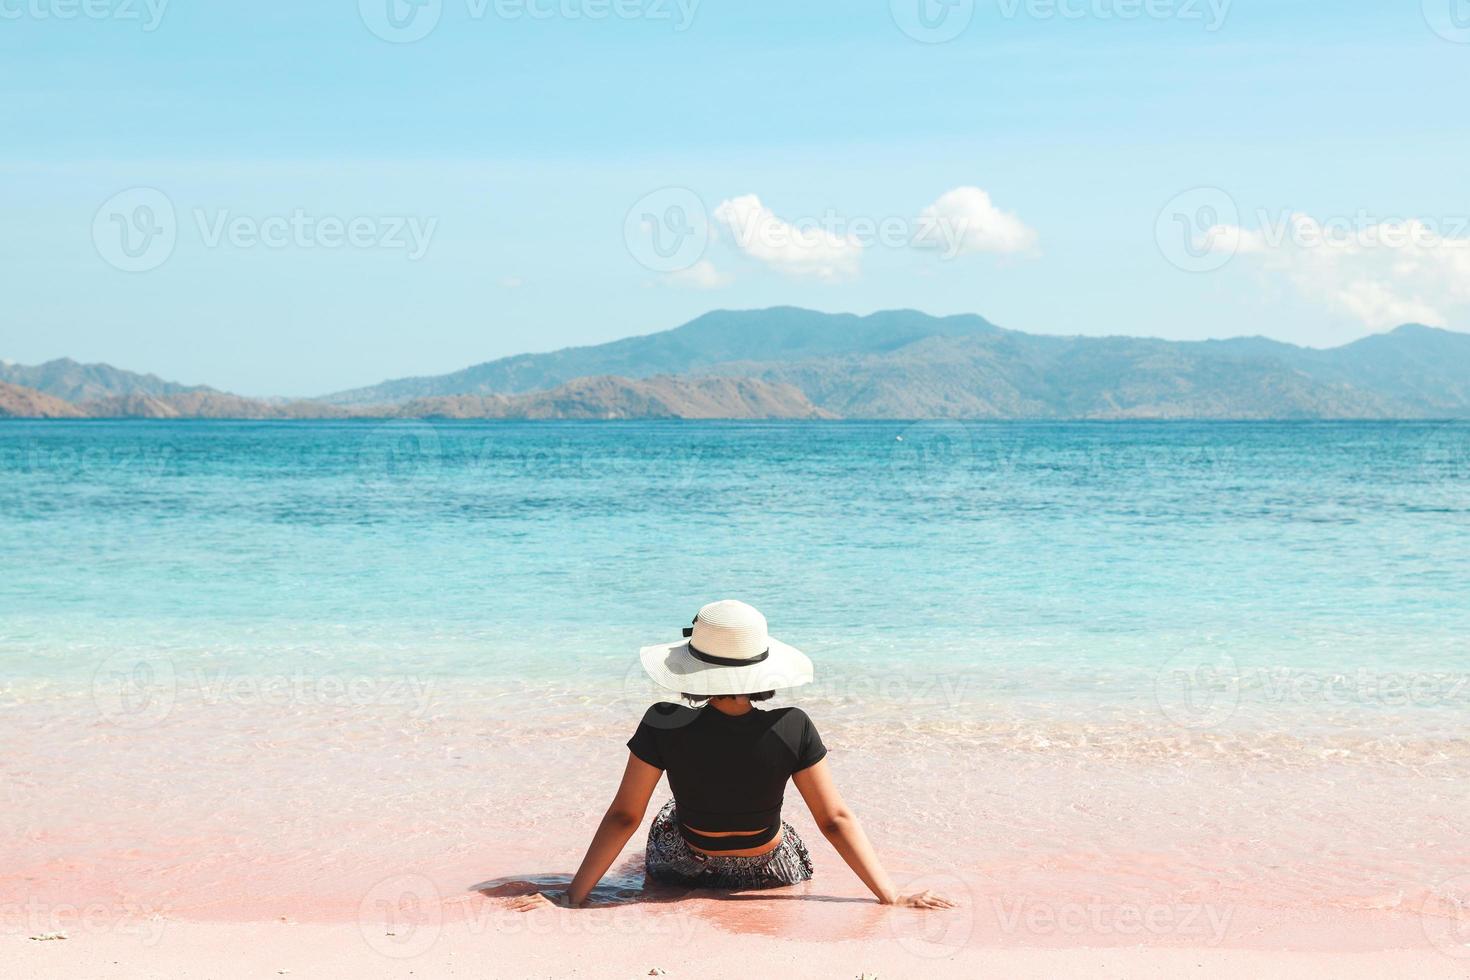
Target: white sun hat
[{"x": 727, "y": 651}]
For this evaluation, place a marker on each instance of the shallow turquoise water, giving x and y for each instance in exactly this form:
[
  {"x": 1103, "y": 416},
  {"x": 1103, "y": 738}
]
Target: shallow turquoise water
[
  {"x": 1054, "y": 662},
  {"x": 1048, "y": 558}
]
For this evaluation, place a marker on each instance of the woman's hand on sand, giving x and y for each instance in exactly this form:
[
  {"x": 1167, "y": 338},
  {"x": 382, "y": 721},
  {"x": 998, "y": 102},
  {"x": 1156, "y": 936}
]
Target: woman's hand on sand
[
  {"x": 923, "y": 900},
  {"x": 541, "y": 900}
]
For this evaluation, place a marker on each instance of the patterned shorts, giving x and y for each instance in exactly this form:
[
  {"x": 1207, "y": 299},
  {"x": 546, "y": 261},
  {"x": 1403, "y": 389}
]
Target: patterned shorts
[{"x": 669, "y": 858}]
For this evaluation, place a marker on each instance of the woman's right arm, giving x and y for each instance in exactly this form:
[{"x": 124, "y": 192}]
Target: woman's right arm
[{"x": 841, "y": 828}]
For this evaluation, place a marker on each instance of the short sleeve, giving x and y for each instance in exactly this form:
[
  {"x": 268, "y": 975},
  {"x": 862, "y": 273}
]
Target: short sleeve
[
  {"x": 644, "y": 744},
  {"x": 810, "y": 749},
  {"x": 652, "y": 737}
]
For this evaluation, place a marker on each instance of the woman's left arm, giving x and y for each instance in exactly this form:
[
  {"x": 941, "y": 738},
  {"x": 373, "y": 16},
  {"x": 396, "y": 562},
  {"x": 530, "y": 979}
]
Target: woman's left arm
[{"x": 622, "y": 818}]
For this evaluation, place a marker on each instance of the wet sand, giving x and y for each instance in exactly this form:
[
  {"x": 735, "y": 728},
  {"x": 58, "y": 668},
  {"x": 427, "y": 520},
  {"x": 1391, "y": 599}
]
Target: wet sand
[{"x": 242, "y": 839}]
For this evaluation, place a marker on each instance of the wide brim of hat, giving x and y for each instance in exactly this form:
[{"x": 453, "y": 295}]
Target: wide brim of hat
[{"x": 672, "y": 666}]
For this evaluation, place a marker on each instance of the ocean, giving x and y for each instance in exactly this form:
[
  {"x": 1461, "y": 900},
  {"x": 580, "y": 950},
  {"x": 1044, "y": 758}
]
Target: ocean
[
  {"x": 552, "y": 550},
  {"x": 1201, "y": 647}
]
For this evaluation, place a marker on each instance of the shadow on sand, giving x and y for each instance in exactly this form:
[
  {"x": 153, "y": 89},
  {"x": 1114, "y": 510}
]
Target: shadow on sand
[{"x": 629, "y": 886}]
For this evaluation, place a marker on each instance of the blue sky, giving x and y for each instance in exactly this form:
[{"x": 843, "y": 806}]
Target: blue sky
[{"x": 307, "y": 206}]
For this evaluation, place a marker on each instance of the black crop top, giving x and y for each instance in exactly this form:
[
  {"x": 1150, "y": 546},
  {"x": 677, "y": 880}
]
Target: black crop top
[{"x": 728, "y": 772}]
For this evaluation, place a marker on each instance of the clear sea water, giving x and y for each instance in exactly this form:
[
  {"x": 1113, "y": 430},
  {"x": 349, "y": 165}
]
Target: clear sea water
[
  {"x": 1223, "y": 663},
  {"x": 1049, "y": 560}
]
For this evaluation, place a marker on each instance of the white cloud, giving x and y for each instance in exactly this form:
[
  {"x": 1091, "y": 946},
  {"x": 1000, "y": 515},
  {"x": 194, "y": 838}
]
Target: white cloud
[
  {"x": 1382, "y": 273},
  {"x": 803, "y": 249},
  {"x": 701, "y": 275},
  {"x": 1379, "y": 305},
  {"x": 512, "y": 282},
  {"x": 965, "y": 220},
  {"x": 1231, "y": 240},
  {"x": 830, "y": 248}
]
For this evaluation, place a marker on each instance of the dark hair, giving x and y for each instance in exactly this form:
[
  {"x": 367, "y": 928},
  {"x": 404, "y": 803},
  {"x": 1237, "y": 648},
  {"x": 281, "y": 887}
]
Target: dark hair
[{"x": 762, "y": 696}]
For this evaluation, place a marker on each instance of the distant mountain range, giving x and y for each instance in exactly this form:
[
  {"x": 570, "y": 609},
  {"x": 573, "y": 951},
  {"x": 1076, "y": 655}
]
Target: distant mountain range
[
  {"x": 75, "y": 383},
  {"x": 610, "y": 397},
  {"x": 27, "y": 403},
  {"x": 784, "y": 335},
  {"x": 906, "y": 364},
  {"x": 583, "y": 398},
  {"x": 794, "y": 363}
]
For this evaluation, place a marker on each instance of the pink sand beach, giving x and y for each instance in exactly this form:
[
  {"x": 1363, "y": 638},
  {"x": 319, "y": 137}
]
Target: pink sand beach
[{"x": 243, "y": 835}]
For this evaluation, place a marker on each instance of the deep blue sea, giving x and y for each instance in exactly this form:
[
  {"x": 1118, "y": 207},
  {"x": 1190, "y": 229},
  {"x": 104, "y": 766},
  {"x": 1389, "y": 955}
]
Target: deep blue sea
[{"x": 1048, "y": 559}]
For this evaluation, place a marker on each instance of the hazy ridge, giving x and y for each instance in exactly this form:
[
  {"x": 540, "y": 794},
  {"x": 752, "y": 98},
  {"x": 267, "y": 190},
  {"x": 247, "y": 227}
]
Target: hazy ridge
[
  {"x": 907, "y": 364},
  {"x": 18, "y": 402},
  {"x": 73, "y": 382},
  {"x": 585, "y": 398},
  {"x": 793, "y": 363}
]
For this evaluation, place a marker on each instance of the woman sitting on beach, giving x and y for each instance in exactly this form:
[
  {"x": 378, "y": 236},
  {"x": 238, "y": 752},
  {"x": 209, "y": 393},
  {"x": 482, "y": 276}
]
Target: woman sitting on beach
[{"x": 728, "y": 763}]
